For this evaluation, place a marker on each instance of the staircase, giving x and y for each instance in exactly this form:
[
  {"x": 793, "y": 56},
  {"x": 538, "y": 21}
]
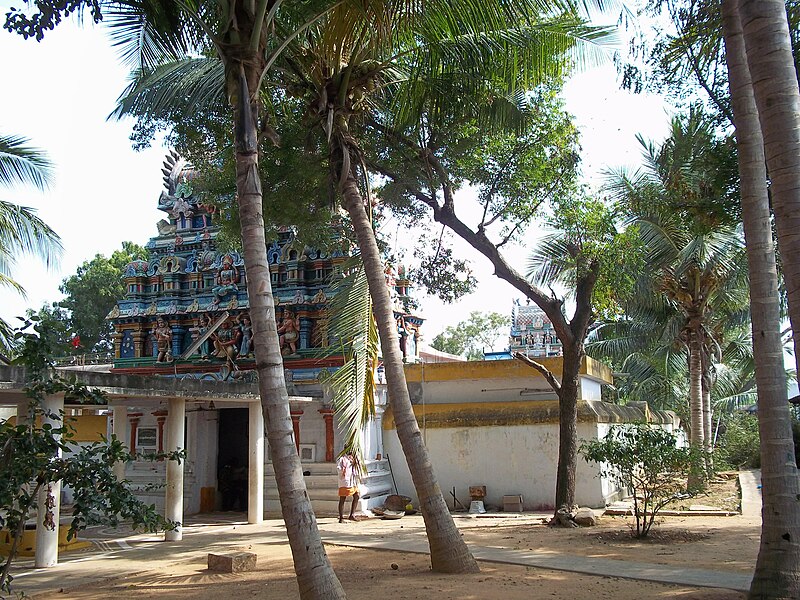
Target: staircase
[{"x": 322, "y": 483}]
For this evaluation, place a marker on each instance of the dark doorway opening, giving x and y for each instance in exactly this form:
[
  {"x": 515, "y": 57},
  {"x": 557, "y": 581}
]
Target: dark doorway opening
[{"x": 232, "y": 458}]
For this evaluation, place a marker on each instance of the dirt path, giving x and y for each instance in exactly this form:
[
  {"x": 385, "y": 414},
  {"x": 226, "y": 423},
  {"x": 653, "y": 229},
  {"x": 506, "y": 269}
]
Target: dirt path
[{"x": 719, "y": 543}]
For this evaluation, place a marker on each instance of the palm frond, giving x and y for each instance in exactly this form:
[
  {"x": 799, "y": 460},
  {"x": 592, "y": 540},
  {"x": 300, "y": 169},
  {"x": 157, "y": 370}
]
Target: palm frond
[
  {"x": 353, "y": 327},
  {"x": 150, "y": 32},
  {"x": 23, "y": 164},
  {"x": 21, "y": 231},
  {"x": 551, "y": 261},
  {"x": 187, "y": 86}
]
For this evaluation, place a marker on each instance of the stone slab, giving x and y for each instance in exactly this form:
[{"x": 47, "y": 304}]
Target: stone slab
[{"x": 233, "y": 562}]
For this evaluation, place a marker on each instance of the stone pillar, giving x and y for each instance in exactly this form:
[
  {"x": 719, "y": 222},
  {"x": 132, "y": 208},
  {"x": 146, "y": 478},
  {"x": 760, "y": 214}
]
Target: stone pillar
[
  {"x": 139, "y": 339},
  {"x": 177, "y": 340},
  {"x": 296, "y": 413},
  {"x": 255, "y": 471},
  {"x": 119, "y": 428},
  {"x": 306, "y": 325},
  {"x": 327, "y": 415},
  {"x": 134, "y": 420},
  {"x": 161, "y": 417},
  {"x": 49, "y": 500},
  {"x": 173, "y": 501},
  {"x": 378, "y": 431}
]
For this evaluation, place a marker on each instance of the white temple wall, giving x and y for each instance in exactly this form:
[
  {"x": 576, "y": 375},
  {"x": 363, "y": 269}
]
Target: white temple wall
[{"x": 518, "y": 459}]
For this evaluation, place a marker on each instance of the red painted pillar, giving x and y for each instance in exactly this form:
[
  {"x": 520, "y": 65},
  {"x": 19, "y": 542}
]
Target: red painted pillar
[
  {"x": 134, "y": 419},
  {"x": 161, "y": 418},
  {"x": 296, "y": 414},
  {"x": 327, "y": 414}
]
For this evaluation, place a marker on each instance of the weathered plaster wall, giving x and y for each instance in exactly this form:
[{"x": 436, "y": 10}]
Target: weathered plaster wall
[{"x": 517, "y": 459}]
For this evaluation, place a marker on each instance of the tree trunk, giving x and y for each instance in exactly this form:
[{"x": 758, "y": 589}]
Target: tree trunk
[
  {"x": 315, "y": 576},
  {"x": 571, "y": 334},
  {"x": 449, "y": 552},
  {"x": 708, "y": 416},
  {"x": 774, "y": 82},
  {"x": 696, "y": 438},
  {"x": 568, "y": 426},
  {"x": 777, "y": 572}
]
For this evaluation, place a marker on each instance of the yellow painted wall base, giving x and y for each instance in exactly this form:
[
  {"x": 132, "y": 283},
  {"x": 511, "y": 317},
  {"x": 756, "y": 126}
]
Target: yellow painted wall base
[{"x": 27, "y": 545}]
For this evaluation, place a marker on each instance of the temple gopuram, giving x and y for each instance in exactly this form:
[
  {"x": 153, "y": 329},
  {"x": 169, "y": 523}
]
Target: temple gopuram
[{"x": 185, "y": 313}]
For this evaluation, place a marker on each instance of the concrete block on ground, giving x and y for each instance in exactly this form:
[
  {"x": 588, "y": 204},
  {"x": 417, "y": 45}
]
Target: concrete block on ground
[{"x": 232, "y": 562}]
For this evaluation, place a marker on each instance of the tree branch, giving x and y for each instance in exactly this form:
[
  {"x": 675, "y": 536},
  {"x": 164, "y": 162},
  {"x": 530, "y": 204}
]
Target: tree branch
[{"x": 545, "y": 372}]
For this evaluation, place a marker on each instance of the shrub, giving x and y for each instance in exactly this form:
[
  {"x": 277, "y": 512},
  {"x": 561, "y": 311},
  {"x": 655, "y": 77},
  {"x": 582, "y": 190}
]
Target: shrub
[
  {"x": 646, "y": 461},
  {"x": 738, "y": 446}
]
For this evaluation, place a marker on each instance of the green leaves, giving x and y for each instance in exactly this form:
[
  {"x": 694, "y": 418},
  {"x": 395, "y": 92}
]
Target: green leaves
[
  {"x": 643, "y": 460},
  {"x": 93, "y": 291},
  {"x": 472, "y": 337},
  {"x": 589, "y": 242}
]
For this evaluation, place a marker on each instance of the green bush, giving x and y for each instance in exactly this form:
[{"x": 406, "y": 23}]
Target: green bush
[
  {"x": 738, "y": 446},
  {"x": 646, "y": 461}
]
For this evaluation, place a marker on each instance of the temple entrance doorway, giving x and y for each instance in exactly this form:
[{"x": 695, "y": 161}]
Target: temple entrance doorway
[{"x": 232, "y": 458}]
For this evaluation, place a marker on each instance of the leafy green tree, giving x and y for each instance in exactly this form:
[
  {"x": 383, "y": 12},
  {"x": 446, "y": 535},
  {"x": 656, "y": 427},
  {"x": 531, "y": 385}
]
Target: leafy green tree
[
  {"x": 645, "y": 461},
  {"x": 35, "y": 454},
  {"x": 425, "y": 168},
  {"x": 54, "y": 323},
  {"x": 471, "y": 337},
  {"x": 21, "y": 231},
  {"x": 93, "y": 291}
]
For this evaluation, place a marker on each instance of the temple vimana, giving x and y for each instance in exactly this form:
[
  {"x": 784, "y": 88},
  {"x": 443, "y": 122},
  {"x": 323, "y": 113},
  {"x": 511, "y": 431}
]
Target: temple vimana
[{"x": 185, "y": 313}]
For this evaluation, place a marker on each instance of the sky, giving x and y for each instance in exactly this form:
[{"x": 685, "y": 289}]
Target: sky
[{"x": 58, "y": 93}]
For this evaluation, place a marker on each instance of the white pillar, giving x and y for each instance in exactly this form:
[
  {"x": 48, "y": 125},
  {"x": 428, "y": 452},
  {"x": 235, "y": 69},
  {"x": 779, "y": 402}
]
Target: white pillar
[
  {"x": 173, "y": 501},
  {"x": 49, "y": 499},
  {"x": 255, "y": 471},
  {"x": 120, "y": 429},
  {"x": 378, "y": 430}
]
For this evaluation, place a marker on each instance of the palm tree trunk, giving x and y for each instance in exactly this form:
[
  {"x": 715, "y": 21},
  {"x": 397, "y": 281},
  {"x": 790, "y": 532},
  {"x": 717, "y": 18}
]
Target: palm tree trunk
[
  {"x": 449, "y": 552},
  {"x": 777, "y": 572},
  {"x": 708, "y": 416},
  {"x": 774, "y": 80},
  {"x": 696, "y": 438},
  {"x": 315, "y": 576}
]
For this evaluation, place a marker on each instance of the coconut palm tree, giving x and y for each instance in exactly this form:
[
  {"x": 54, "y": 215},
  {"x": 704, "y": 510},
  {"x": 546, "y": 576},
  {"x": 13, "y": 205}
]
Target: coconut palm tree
[
  {"x": 240, "y": 35},
  {"x": 21, "y": 231},
  {"x": 777, "y": 572},
  {"x": 772, "y": 70},
  {"x": 693, "y": 260}
]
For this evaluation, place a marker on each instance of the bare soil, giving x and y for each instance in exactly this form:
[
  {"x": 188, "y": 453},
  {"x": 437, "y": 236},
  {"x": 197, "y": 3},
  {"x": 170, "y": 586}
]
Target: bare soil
[{"x": 718, "y": 543}]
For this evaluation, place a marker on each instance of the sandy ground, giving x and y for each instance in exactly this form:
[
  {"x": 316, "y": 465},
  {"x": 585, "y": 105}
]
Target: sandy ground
[{"x": 719, "y": 543}]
